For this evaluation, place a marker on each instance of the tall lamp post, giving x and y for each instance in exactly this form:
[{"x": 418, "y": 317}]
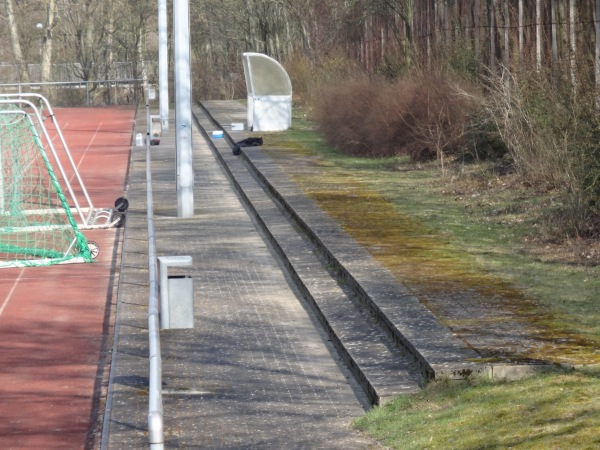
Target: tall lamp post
[
  {"x": 183, "y": 108},
  {"x": 163, "y": 64}
]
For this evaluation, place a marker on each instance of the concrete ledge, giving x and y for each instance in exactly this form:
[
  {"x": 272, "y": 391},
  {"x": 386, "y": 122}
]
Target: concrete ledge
[{"x": 437, "y": 352}]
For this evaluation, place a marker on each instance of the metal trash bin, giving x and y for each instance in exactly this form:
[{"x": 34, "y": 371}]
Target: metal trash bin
[
  {"x": 176, "y": 294},
  {"x": 181, "y": 301}
]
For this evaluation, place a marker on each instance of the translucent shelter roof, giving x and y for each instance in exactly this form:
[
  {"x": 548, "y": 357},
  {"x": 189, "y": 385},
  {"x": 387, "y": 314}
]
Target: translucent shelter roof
[{"x": 265, "y": 76}]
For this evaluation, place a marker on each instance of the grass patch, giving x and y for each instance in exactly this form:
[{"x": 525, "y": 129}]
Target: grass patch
[{"x": 557, "y": 410}]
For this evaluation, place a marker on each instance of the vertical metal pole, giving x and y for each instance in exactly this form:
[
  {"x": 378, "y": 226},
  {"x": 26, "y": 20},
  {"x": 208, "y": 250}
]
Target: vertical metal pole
[
  {"x": 163, "y": 64},
  {"x": 156, "y": 434},
  {"x": 183, "y": 108}
]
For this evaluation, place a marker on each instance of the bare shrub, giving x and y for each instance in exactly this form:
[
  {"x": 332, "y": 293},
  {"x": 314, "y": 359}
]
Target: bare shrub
[
  {"x": 440, "y": 115},
  {"x": 340, "y": 113},
  {"x": 300, "y": 70},
  {"x": 217, "y": 80},
  {"x": 308, "y": 76},
  {"x": 387, "y": 128},
  {"x": 552, "y": 135},
  {"x": 424, "y": 118}
]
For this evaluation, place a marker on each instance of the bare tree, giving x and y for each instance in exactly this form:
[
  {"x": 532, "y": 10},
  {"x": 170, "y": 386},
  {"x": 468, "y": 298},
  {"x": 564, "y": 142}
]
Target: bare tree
[
  {"x": 553, "y": 19},
  {"x": 521, "y": 35},
  {"x": 477, "y": 23},
  {"x": 83, "y": 36},
  {"x": 597, "y": 51},
  {"x": 46, "y": 43},
  {"x": 15, "y": 41},
  {"x": 492, "y": 26},
  {"x": 538, "y": 35},
  {"x": 572, "y": 44},
  {"x": 506, "y": 24}
]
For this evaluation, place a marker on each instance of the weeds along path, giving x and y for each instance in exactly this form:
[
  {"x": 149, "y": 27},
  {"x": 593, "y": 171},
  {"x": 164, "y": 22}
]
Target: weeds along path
[{"x": 493, "y": 316}]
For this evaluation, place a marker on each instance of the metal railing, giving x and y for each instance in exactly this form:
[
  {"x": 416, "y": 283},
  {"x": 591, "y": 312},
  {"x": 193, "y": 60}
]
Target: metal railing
[
  {"x": 155, "y": 404},
  {"x": 72, "y": 92},
  {"x": 118, "y": 70}
]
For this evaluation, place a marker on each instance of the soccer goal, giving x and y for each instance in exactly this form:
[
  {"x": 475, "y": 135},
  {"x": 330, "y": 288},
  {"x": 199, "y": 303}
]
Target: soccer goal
[
  {"x": 82, "y": 208},
  {"x": 37, "y": 226}
]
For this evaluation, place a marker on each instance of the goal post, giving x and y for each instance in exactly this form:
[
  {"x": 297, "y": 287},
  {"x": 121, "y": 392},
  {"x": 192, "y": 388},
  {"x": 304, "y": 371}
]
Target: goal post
[
  {"x": 88, "y": 217},
  {"x": 37, "y": 226},
  {"x": 83, "y": 209}
]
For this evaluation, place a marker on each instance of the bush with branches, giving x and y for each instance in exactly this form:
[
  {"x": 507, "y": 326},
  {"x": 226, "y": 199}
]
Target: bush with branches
[
  {"x": 552, "y": 135},
  {"x": 423, "y": 117}
]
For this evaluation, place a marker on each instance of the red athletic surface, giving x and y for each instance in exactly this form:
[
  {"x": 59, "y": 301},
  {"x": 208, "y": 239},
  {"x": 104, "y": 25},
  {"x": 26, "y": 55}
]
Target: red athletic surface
[{"x": 56, "y": 322}]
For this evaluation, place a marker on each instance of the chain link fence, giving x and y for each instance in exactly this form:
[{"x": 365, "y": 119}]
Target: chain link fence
[
  {"x": 83, "y": 93},
  {"x": 120, "y": 86}
]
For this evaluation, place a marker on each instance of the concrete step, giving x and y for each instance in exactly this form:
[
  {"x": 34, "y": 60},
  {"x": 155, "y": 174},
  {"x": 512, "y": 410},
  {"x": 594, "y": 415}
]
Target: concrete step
[
  {"x": 379, "y": 366},
  {"x": 435, "y": 349},
  {"x": 397, "y": 318}
]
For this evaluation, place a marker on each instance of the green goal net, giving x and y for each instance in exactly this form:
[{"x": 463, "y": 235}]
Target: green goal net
[{"x": 36, "y": 223}]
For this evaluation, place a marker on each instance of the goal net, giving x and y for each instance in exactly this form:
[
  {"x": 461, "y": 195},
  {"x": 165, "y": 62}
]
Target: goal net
[{"x": 36, "y": 223}]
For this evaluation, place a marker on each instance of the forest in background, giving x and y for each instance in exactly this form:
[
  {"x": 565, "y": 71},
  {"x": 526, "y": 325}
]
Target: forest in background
[
  {"x": 387, "y": 37},
  {"x": 511, "y": 81}
]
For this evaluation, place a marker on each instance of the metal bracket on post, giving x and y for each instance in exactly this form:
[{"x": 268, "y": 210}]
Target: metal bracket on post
[{"x": 176, "y": 312}]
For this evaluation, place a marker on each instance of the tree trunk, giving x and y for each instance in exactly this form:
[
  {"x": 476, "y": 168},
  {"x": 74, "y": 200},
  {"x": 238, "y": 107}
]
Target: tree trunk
[
  {"x": 597, "y": 65},
  {"x": 109, "y": 50},
  {"x": 15, "y": 43},
  {"x": 538, "y": 35},
  {"x": 428, "y": 34},
  {"x": 447, "y": 20},
  {"x": 47, "y": 42},
  {"x": 554, "y": 35},
  {"x": 252, "y": 28},
  {"x": 521, "y": 36},
  {"x": 573, "y": 44},
  {"x": 477, "y": 22},
  {"x": 492, "y": 21},
  {"x": 506, "y": 35}
]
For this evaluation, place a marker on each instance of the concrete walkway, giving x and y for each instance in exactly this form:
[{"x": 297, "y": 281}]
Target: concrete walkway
[{"x": 256, "y": 371}]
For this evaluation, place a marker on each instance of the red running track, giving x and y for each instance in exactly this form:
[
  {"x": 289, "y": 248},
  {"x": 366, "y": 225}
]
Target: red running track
[{"x": 56, "y": 322}]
